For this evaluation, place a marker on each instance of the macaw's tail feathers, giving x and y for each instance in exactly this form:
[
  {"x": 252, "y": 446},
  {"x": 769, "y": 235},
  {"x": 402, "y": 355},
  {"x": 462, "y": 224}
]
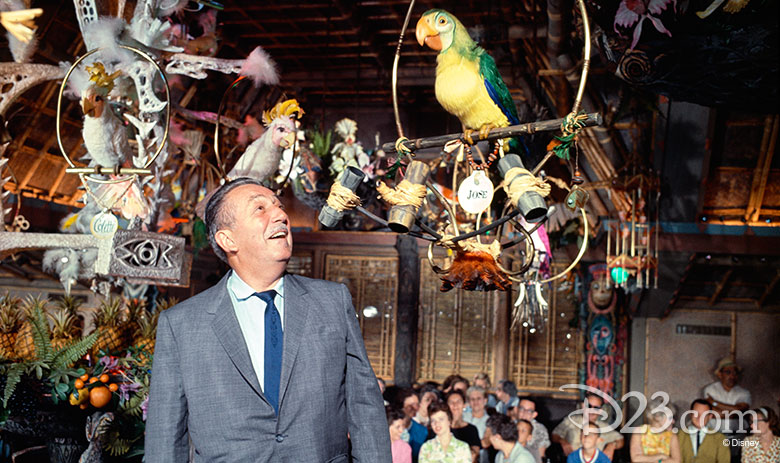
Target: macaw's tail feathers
[{"x": 518, "y": 145}]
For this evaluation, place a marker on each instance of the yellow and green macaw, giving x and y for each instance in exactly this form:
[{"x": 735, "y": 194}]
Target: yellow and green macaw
[{"x": 468, "y": 84}]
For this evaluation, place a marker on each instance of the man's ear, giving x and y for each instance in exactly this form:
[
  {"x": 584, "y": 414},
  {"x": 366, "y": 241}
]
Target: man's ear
[
  {"x": 534, "y": 415},
  {"x": 224, "y": 239}
]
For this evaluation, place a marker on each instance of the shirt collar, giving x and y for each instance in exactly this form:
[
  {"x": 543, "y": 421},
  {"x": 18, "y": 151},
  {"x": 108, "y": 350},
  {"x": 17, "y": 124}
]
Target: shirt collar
[{"x": 242, "y": 291}]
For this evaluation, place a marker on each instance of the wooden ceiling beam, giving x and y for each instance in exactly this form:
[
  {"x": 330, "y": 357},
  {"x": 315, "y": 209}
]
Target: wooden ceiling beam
[
  {"x": 367, "y": 33},
  {"x": 719, "y": 288},
  {"x": 769, "y": 289},
  {"x": 57, "y": 182},
  {"x": 36, "y": 163},
  {"x": 763, "y": 167}
]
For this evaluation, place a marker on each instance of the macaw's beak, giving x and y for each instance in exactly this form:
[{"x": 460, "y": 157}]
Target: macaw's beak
[
  {"x": 427, "y": 35},
  {"x": 288, "y": 140}
]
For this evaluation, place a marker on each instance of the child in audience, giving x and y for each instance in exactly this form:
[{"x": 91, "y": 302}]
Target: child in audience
[{"x": 589, "y": 452}]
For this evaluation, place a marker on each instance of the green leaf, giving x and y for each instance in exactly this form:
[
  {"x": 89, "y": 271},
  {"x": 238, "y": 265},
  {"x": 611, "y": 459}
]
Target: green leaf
[
  {"x": 13, "y": 376},
  {"x": 61, "y": 387},
  {"x": 41, "y": 335},
  {"x": 69, "y": 354},
  {"x": 38, "y": 371}
]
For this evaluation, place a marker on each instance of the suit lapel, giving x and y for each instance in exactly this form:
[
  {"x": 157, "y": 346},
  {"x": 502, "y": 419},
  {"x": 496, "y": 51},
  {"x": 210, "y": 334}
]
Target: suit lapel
[
  {"x": 229, "y": 333},
  {"x": 296, "y": 309}
]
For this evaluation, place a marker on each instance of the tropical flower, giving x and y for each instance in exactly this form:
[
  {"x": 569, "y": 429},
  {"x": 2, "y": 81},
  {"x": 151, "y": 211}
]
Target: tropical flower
[{"x": 632, "y": 11}]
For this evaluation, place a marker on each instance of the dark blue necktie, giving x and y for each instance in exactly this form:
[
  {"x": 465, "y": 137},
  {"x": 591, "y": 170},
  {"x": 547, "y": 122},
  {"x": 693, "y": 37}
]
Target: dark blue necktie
[{"x": 273, "y": 349}]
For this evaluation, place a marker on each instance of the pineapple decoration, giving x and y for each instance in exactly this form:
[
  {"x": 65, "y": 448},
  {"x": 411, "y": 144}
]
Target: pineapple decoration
[
  {"x": 73, "y": 306},
  {"x": 147, "y": 324},
  {"x": 136, "y": 310},
  {"x": 63, "y": 329},
  {"x": 25, "y": 345},
  {"x": 9, "y": 325},
  {"x": 108, "y": 321}
]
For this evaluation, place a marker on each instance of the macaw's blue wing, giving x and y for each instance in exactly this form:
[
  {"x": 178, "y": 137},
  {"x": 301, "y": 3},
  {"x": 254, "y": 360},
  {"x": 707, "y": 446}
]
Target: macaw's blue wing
[{"x": 497, "y": 89}]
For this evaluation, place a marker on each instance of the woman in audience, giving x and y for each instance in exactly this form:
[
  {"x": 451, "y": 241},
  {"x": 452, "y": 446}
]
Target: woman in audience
[
  {"x": 452, "y": 382},
  {"x": 764, "y": 445},
  {"x": 656, "y": 441},
  {"x": 401, "y": 451},
  {"x": 466, "y": 432},
  {"x": 444, "y": 448},
  {"x": 428, "y": 395}
]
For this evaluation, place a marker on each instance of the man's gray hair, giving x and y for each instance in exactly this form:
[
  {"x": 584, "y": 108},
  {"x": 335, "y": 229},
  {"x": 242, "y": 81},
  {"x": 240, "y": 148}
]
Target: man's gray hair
[{"x": 219, "y": 216}]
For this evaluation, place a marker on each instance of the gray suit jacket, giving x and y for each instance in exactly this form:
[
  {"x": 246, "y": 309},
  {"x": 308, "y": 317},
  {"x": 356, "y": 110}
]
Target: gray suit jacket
[{"x": 203, "y": 384}]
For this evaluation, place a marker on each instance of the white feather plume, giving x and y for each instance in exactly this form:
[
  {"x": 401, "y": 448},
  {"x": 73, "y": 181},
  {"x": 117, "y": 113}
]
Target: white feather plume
[
  {"x": 104, "y": 33},
  {"x": 77, "y": 82},
  {"x": 260, "y": 67}
]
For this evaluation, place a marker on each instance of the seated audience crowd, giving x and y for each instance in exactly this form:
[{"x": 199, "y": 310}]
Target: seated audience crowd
[{"x": 459, "y": 421}]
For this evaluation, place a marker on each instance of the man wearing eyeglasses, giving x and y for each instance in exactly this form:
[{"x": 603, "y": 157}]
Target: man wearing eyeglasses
[
  {"x": 540, "y": 438},
  {"x": 728, "y": 400},
  {"x": 567, "y": 433}
]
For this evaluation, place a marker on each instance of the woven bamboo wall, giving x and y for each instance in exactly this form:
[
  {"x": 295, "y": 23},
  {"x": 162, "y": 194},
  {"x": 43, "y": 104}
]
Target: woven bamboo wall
[
  {"x": 454, "y": 330},
  {"x": 372, "y": 281},
  {"x": 550, "y": 357}
]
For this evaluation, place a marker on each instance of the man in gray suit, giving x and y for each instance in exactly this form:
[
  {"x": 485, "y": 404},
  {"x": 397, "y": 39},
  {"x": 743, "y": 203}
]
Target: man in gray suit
[{"x": 264, "y": 366}]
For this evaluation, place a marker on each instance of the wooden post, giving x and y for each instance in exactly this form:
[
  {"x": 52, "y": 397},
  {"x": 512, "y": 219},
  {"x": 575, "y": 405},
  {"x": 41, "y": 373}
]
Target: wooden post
[
  {"x": 501, "y": 305},
  {"x": 407, "y": 310}
]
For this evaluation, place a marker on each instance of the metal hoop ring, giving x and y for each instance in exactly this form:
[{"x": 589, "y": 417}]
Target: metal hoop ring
[
  {"x": 130, "y": 171},
  {"x": 528, "y": 261},
  {"x": 433, "y": 265},
  {"x": 579, "y": 255}
]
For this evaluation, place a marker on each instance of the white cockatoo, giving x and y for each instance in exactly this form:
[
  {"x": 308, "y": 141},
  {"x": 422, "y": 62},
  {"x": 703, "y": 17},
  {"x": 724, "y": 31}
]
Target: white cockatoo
[
  {"x": 348, "y": 152},
  {"x": 104, "y": 134},
  {"x": 261, "y": 158}
]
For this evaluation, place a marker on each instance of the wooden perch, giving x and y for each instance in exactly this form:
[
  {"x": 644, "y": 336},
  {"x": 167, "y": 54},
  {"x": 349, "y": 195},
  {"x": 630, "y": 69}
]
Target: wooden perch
[{"x": 503, "y": 132}]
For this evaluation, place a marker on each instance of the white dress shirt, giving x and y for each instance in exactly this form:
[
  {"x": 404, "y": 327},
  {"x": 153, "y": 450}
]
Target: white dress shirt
[
  {"x": 250, "y": 311},
  {"x": 736, "y": 395}
]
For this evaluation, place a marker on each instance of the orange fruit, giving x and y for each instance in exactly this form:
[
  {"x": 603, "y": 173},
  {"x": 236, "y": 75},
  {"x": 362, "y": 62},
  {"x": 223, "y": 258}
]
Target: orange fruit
[
  {"x": 99, "y": 396},
  {"x": 113, "y": 387},
  {"x": 83, "y": 406},
  {"x": 84, "y": 377},
  {"x": 104, "y": 378},
  {"x": 79, "y": 384},
  {"x": 92, "y": 379}
]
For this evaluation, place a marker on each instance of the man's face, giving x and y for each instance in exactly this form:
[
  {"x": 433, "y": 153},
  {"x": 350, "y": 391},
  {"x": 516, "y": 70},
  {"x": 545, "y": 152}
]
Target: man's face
[
  {"x": 597, "y": 403},
  {"x": 700, "y": 417},
  {"x": 526, "y": 410},
  {"x": 481, "y": 383},
  {"x": 477, "y": 401},
  {"x": 728, "y": 376},
  {"x": 260, "y": 230},
  {"x": 411, "y": 405},
  {"x": 524, "y": 431},
  {"x": 455, "y": 402}
]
